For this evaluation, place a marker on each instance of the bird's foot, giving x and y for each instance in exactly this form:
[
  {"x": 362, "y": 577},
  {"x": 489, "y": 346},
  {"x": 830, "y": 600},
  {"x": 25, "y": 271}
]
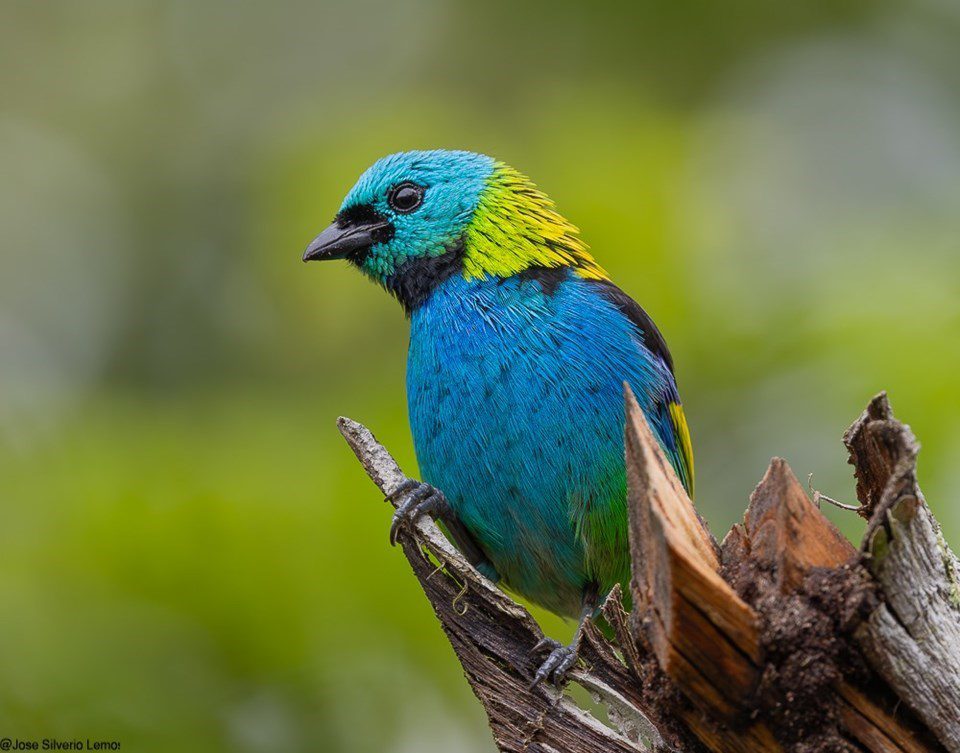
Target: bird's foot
[
  {"x": 557, "y": 664},
  {"x": 415, "y": 498}
]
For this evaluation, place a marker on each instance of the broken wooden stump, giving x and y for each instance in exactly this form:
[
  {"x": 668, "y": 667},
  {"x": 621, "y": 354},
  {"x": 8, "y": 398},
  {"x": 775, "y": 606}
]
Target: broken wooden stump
[
  {"x": 912, "y": 638},
  {"x": 784, "y": 638}
]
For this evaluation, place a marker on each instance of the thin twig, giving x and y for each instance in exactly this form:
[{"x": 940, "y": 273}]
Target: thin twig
[{"x": 819, "y": 497}]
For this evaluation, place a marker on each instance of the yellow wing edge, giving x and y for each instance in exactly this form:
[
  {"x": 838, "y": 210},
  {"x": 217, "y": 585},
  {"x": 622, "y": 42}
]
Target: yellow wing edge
[{"x": 682, "y": 433}]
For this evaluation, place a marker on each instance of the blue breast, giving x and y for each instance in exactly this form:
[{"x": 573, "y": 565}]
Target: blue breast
[{"x": 516, "y": 407}]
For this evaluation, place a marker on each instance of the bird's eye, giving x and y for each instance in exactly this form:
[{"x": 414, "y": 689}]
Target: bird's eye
[{"x": 405, "y": 197}]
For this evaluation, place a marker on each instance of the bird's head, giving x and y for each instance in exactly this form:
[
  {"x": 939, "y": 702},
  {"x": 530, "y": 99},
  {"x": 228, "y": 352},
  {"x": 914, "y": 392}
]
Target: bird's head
[{"x": 416, "y": 218}]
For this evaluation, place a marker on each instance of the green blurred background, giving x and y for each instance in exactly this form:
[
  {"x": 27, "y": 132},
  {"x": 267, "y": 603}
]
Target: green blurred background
[{"x": 190, "y": 559}]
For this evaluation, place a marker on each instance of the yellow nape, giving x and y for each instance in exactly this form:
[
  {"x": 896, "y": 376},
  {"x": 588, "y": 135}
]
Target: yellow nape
[{"x": 516, "y": 226}]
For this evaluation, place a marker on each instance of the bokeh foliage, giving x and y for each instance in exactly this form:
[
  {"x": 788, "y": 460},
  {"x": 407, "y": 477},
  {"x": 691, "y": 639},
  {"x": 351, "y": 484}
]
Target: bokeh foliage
[{"x": 191, "y": 559}]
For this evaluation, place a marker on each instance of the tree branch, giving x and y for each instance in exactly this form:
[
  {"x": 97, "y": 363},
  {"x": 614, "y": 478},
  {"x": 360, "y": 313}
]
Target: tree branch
[
  {"x": 785, "y": 638},
  {"x": 493, "y": 637}
]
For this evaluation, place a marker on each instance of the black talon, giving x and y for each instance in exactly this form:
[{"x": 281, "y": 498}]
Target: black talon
[
  {"x": 560, "y": 673},
  {"x": 562, "y": 658},
  {"x": 407, "y": 511},
  {"x": 543, "y": 643},
  {"x": 420, "y": 499},
  {"x": 557, "y": 664},
  {"x": 407, "y": 486}
]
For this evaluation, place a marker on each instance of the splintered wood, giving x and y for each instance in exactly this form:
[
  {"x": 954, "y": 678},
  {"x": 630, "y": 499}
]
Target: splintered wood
[
  {"x": 704, "y": 635},
  {"x": 786, "y": 533},
  {"x": 784, "y": 638},
  {"x": 912, "y": 639},
  {"x": 706, "y": 638}
]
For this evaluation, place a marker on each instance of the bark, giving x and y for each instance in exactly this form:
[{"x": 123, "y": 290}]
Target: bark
[
  {"x": 493, "y": 638},
  {"x": 913, "y": 638},
  {"x": 784, "y": 638}
]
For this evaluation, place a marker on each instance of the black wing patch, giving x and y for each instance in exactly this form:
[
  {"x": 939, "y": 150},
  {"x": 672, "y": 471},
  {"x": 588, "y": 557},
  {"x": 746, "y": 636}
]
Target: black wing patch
[
  {"x": 548, "y": 277},
  {"x": 652, "y": 338}
]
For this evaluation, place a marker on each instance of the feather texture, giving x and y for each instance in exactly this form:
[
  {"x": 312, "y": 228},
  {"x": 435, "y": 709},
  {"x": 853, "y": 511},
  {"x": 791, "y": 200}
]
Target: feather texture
[
  {"x": 516, "y": 407},
  {"x": 519, "y": 347}
]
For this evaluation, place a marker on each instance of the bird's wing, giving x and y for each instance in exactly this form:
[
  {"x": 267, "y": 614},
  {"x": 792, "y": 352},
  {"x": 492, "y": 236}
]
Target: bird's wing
[{"x": 670, "y": 423}]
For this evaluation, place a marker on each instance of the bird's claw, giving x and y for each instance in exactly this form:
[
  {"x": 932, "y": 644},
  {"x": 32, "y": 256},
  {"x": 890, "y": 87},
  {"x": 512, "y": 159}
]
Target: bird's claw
[
  {"x": 418, "y": 498},
  {"x": 556, "y": 666}
]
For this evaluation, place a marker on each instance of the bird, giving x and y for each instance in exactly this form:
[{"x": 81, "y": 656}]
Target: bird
[{"x": 519, "y": 348}]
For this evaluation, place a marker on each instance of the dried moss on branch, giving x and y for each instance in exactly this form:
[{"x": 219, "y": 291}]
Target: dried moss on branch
[{"x": 784, "y": 638}]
